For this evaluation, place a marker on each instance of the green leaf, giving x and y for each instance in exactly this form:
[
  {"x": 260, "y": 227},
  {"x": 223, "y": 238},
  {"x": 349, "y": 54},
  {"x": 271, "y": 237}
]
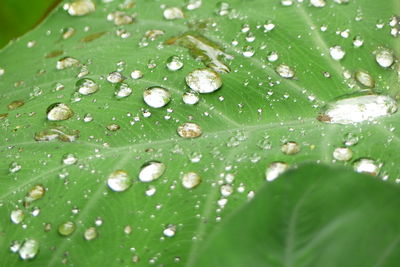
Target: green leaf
[
  {"x": 245, "y": 124},
  {"x": 313, "y": 216}
]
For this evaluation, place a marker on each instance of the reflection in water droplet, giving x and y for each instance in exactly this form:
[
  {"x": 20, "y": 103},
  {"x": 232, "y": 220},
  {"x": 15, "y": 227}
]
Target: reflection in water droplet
[
  {"x": 14, "y": 167},
  {"x": 122, "y": 90},
  {"x": 59, "y": 112},
  {"x": 365, "y": 165},
  {"x": 29, "y": 249},
  {"x": 156, "y": 97},
  {"x": 190, "y": 98},
  {"x": 35, "y": 193},
  {"x": 365, "y": 79},
  {"x": 384, "y": 57},
  {"x": 90, "y": 233},
  {"x": 170, "y": 230},
  {"x": 61, "y": 133},
  {"x": 189, "y": 130},
  {"x": 350, "y": 139},
  {"x": 342, "y": 154},
  {"x": 174, "y": 63},
  {"x": 151, "y": 171},
  {"x": 191, "y": 180},
  {"x": 120, "y": 18},
  {"x": 69, "y": 159},
  {"x": 173, "y": 13},
  {"x": 86, "y": 86},
  {"x": 275, "y": 169},
  {"x": 66, "y": 228},
  {"x": 204, "y": 80},
  {"x": 115, "y": 77},
  {"x": 285, "y": 71},
  {"x": 80, "y": 7},
  {"x": 358, "y": 109},
  {"x": 17, "y": 216},
  {"x": 136, "y": 74},
  {"x": 290, "y": 148},
  {"x": 119, "y": 181}
]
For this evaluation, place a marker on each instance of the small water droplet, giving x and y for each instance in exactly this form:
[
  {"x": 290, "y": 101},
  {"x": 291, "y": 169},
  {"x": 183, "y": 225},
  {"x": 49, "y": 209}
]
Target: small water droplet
[
  {"x": 86, "y": 86},
  {"x": 365, "y": 79},
  {"x": 172, "y": 13},
  {"x": 136, "y": 74},
  {"x": 342, "y": 154},
  {"x": 90, "y": 233},
  {"x": 156, "y": 97},
  {"x": 170, "y": 230},
  {"x": 115, "y": 77},
  {"x": 17, "y": 216},
  {"x": 15, "y": 104},
  {"x": 151, "y": 171},
  {"x": 365, "y": 165},
  {"x": 59, "y": 112},
  {"x": 174, "y": 63},
  {"x": 190, "y": 98},
  {"x": 285, "y": 71},
  {"x": 14, "y": 167},
  {"x": 119, "y": 181},
  {"x": 80, "y": 7},
  {"x": 189, "y": 130},
  {"x": 337, "y": 52},
  {"x": 35, "y": 193},
  {"x": 66, "y": 62},
  {"x": 120, "y": 18},
  {"x": 318, "y": 3},
  {"x": 350, "y": 139},
  {"x": 190, "y": 180},
  {"x": 66, "y": 228},
  {"x": 290, "y": 148}
]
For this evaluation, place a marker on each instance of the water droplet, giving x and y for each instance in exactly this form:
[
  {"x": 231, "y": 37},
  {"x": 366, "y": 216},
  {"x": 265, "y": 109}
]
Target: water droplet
[
  {"x": 269, "y": 26},
  {"x": 15, "y": 246},
  {"x": 191, "y": 180},
  {"x": 122, "y": 90},
  {"x": 189, "y": 130},
  {"x": 156, "y": 97},
  {"x": 358, "y": 109},
  {"x": 15, "y": 104},
  {"x": 66, "y": 228},
  {"x": 61, "y": 133},
  {"x": 193, "y": 4},
  {"x": 115, "y": 77},
  {"x": 14, "y": 167},
  {"x": 151, "y": 171},
  {"x": 190, "y": 98},
  {"x": 86, "y": 86},
  {"x": 223, "y": 8},
  {"x": 66, "y": 62},
  {"x": 365, "y": 165},
  {"x": 17, "y": 216},
  {"x": 59, "y": 112},
  {"x": 285, "y": 71},
  {"x": 173, "y": 13},
  {"x": 170, "y": 230},
  {"x": 29, "y": 249},
  {"x": 68, "y": 33},
  {"x": 350, "y": 139},
  {"x": 226, "y": 190},
  {"x": 290, "y": 148},
  {"x": 384, "y": 57},
  {"x": 90, "y": 233},
  {"x": 337, "y": 52},
  {"x": 174, "y": 63},
  {"x": 365, "y": 79},
  {"x": 358, "y": 41},
  {"x": 120, "y": 18},
  {"x": 136, "y": 74},
  {"x": 204, "y": 80},
  {"x": 272, "y": 56},
  {"x": 248, "y": 51},
  {"x": 80, "y": 7},
  {"x": 342, "y": 154},
  {"x": 275, "y": 169},
  {"x": 119, "y": 181},
  {"x": 35, "y": 193},
  {"x": 69, "y": 159}
]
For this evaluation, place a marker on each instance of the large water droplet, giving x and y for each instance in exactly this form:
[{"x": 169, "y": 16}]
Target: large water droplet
[
  {"x": 122, "y": 90},
  {"x": 365, "y": 165},
  {"x": 59, "y": 112},
  {"x": 358, "y": 109},
  {"x": 156, "y": 97},
  {"x": 151, "y": 171},
  {"x": 29, "y": 249},
  {"x": 189, "y": 130},
  {"x": 204, "y": 80},
  {"x": 115, "y": 77},
  {"x": 61, "y": 133},
  {"x": 119, "y": 181}
]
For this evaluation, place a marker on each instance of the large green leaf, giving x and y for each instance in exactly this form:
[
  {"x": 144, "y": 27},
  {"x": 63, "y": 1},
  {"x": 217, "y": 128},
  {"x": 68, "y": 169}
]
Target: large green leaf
[
  {"x": 315, "y": 216},
  {"x": 244, "y": 124}
]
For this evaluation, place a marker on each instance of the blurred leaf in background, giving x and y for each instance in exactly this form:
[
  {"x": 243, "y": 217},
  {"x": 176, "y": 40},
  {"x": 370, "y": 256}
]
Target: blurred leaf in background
[{"x": 19, "y": 16}]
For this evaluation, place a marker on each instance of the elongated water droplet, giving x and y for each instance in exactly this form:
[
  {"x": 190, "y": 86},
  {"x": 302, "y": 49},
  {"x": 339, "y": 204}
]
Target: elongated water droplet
[
  {"x": 80, "y": 7},
  {"x": 29, "y": 249},
  {"x": 119, "y": 181},
  {"x": 290, "y": 148},
  {"x": 15, "y": 104},
  {"x": 59, "y": 112},
  {"x": 156, "y": 97},
  {"x": 365, "y": 79},
  {"x": 61, "y": 133},
  {"x": 358, "y": 109},
  {"x": 66, "y": 62},
  {"x": 365, "y": 165},
  {"x": 204, "y": 81},
  {"x": 66, "y": 228},
  {"x": 35, "y": 193},
  {"x": 189, "y": 130},
  {"x": 173, "y": 13},
  {"x": 191, "y": 180},
  {"x": 151, "y": 171},
  {"x": 86, "y": 86}
]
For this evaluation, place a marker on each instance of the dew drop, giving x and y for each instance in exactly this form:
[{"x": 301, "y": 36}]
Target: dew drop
[
  {"x": 59, "y": 112},
  {"x": 275, "y": 169},
  {"x": 204, "y": 81},
  {"x": 66, "y": 62},
  {"x": 17, "y": 216},
  {"x": 122, "y": 90},
  {"x": 358, "y": 109},
  {"x": 342, "y": 154},
  {"x": 190, "y": 98},
  {"x": 174, "y": 63},
  {"x": 136, "y": 74},
  {"x": 35, "y": 193},
  {"x": 173, "y": 13},
  {"x": 115, "y": 77},
  {"x": 189, "y": 130},
  {"x": 191, "y": 180},
  {"x": 151, "y": 171},
  {"x": 156, "y": 97},
  {"x": 384, "y": 57},
  {"x": 365, "y": 79},
  {"x": 90, "y": 233},
  {"x": 290, "y": 148},
  {"x": 29, "y": 249},
  {"x": 86, "y": 86},
  {"x": 80, "y": 7},
  {"x": 66, "y": 228},
  {"x": 170, "y": 230},
  {"x": 337, "y": 52},
  {"x": 285, "y": 71},
  {"x": 365, "y": 165},
  {"x": 119, "y": 181}
]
